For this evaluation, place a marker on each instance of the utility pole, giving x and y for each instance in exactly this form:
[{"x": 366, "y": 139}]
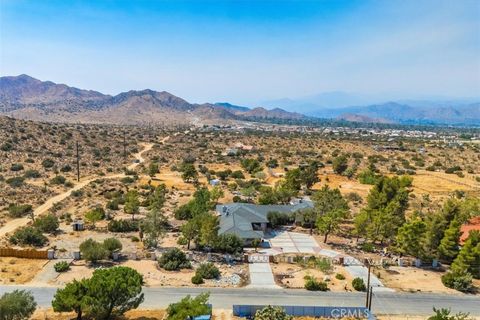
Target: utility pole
[
  {"x": 78, "y": 164},
  {"x": 369, "y": 289},
  {"x": 370, "y": 299},
  {"x": 124, "y": 146}
]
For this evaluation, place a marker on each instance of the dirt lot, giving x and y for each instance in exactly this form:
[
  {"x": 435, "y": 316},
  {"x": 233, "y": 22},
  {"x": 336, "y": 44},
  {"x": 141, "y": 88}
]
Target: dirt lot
[
  {"x": 19, "y": 271},
  {"x": 296, "y": 273},
  {"x": 414, "y": 279},
  {"x": 154, "y": 276}
]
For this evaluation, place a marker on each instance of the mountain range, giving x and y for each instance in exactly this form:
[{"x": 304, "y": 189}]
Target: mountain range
[{"x": 29, "y": 98}]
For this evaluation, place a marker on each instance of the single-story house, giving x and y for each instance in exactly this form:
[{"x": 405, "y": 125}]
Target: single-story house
[{"x": 249, "y": 221}]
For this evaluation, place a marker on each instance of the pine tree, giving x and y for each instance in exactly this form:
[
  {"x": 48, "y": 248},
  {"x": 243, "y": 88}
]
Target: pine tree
[
  {"x": 468, "y": 258},
  {"x": 449, "y": 246}
]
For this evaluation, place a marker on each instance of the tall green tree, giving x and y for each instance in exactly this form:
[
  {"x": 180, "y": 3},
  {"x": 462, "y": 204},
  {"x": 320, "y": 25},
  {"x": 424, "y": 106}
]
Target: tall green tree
[
  {"x": 331, "y": 208},
  {"x": 17, "y": 305},
  {"x": 385, "y": 210},
  {"x": 340, "y": 164},
  {"x": 410, "y": 237},
  {"x": 468, "y": 259},
  {"x": 153, "y": 227},
  {"x": 189, "y": 307},
  {"x": 114, "y": 291},
  {"x": 449, "y": 246},
  {"x": 132, "y": 204},
  {"x": 72, "y": 298}
]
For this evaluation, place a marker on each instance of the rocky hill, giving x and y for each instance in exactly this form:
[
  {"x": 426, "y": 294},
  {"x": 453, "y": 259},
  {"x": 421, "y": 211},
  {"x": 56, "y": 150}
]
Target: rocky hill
[{"x": 29, "y": 98}]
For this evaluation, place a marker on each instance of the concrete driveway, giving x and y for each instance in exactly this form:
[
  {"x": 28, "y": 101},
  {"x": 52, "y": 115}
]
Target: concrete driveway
[
  {"x": 261, "y": 276},
  {"x": 293, "y": 242}
]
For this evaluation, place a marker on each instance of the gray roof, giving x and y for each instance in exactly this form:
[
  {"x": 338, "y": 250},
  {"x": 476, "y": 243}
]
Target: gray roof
[{"x": 237, "y": 218}]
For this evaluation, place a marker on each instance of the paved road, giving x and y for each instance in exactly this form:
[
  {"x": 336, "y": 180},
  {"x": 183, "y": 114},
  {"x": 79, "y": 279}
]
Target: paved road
[{"x": 383, "y": 303}]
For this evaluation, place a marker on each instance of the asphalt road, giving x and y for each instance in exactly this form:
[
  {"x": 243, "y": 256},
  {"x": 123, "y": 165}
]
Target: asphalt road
[{"x": 383, "y": 303}]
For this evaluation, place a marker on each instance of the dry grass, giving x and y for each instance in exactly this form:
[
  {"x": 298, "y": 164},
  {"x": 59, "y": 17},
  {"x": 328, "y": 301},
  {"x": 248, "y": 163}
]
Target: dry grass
[{"x": 19, "y": 271}]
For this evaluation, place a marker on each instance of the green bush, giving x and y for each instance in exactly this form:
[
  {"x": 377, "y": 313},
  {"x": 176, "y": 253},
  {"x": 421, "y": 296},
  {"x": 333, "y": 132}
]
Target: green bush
[
  {"x": 197, "y": 279},
  {"x": 339, "y": 276},
  {"x": 358, "y": 284},
  {"x": 46, "y": 224},
  {"x": 280, "y": 219},
  {"x": 460, "y": 281},
  {"x": 16, "y": 305},
  {"x": 313, "y": 284},
  {"x": 57, "y": 180},
  {"x": 15, "y": 182},
  {"x": 272, "y": 313},
  {"x": 367, "y": 247},
  {"x": 48, "y": 163},
  {"x": 28, "y": 236},
  {"x": 228, "y": 243},
  {"x": 208, "y": 271},
  {"x": 32, "y": 174},
  {"x": 61, "y": 266},
  {"x": 112, "y": 245},
  {"x": 174, "y": 259},
  {"x": 16, "y": 167},
  {"x": 17, "y": 211},
  {"x": 123, "y": 225},
  {"x": 93, "y": 251}
]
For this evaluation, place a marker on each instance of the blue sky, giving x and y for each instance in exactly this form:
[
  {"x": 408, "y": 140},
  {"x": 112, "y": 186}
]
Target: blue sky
[{"x": 247, "y": 51}]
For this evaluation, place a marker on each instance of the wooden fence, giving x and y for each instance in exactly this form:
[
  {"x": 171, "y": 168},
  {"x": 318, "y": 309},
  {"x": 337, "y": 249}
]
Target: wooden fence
[{"x": 24, "y": 253}]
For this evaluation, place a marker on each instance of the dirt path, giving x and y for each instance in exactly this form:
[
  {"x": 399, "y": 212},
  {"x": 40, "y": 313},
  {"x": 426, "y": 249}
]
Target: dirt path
[{"x": 14, "y": 224}]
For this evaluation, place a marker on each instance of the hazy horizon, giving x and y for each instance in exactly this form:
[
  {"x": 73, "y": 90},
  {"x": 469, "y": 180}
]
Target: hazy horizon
[{"x": 248, "y": 52}]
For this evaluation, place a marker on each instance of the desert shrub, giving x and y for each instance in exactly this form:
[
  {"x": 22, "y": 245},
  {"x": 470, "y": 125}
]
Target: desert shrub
[
  {"x": 453, "y": 169},
  {"x": 325, "y": 265},
  {"x": 32, "y": 174},
  {"x": 48, "y": 163},
  {"x": 367, "y": 176},
  {"x": 112, "y": 245},
  {"x": 15, "y": 182},
  {"x": 339, "y": 276},
  {"x": 197, "y": 279},
  {"x": 358, "y": 284},
  {"x": 313, "y": 284},
  {"x": 93, "y": 251},
  {"x": 6, "y": 147},
  {"x": 28, "y": 236},
  {"x": 228, "y": 243},
  {"x": 280, "y": 219},
  {"x": 113, "y": 204},
  {"x": 461, "y": 281},
  {"x": 46, "y": 224},
  {"x": 272, "y": 313},
  {"x": 16, "y": 167},
  {"x": 17, "y": 211},
  {"x": 76, "y": 193},
  {"x": 123, "y": 225},
  {"x": 16, "y": 305},
  {"x": 174, "y": 259},
  {"x": 61, "y": 266},
  {"x": 66, "y": 168},
  {"x": 57, "y": 180},
  {"x": 367, "y": 247},
  {"x": 208, "y": 271}
]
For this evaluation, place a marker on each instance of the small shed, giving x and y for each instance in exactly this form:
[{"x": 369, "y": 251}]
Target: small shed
[
  {"x": 78, "y": 225},
  {"x": 214, "y": 182}
]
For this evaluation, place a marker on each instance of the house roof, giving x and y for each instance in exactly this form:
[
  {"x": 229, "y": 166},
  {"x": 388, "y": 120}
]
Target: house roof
[
  {"x": 472, "y": 224},
  {"x": 237, "y": 218}
]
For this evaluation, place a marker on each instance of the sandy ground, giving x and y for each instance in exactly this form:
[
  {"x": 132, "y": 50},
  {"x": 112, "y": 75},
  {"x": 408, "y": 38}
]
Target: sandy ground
[
  {"x": 413, "y": 279},
  {"x": 15, "y": 223},
  {"x": 139, "y": 314},
  {"x": 154, "y": 276},
  {"x": 19, "y": 271},
  {"x": 296, "y": 274}
]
